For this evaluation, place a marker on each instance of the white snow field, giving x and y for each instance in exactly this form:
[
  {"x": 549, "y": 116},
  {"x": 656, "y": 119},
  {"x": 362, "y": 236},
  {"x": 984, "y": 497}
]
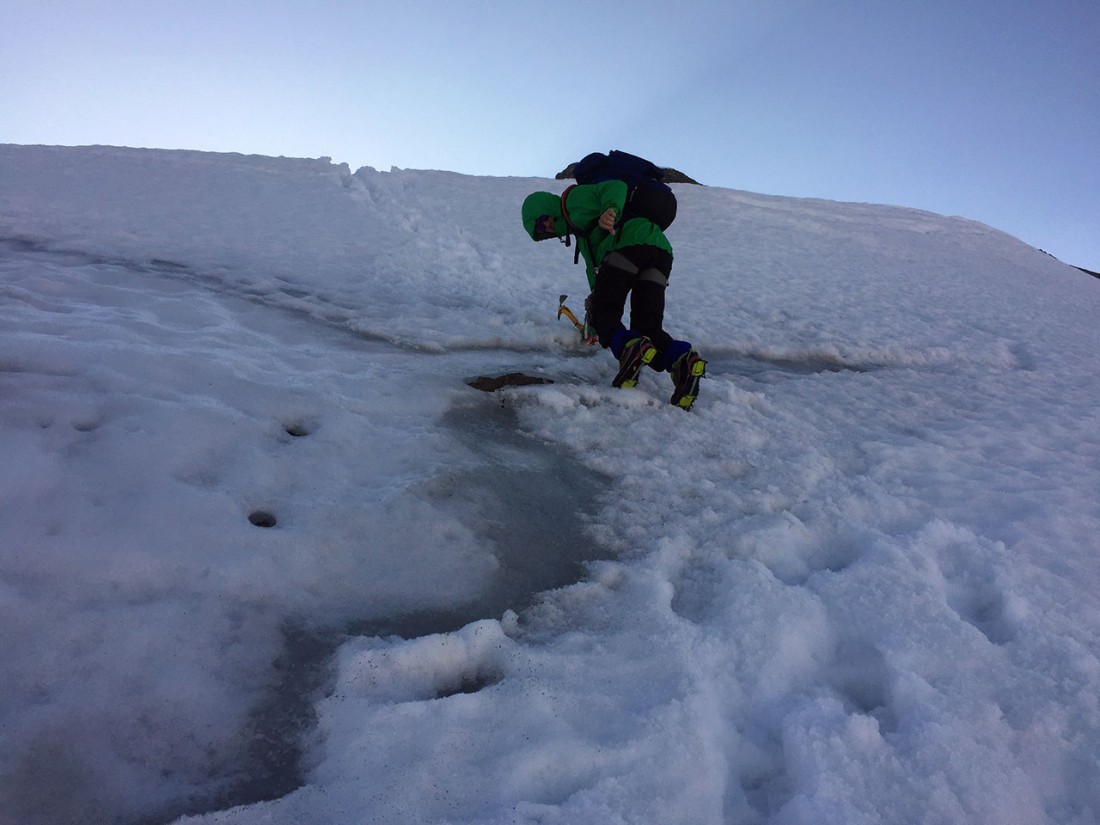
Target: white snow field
[{"x": 858, "y": 583}]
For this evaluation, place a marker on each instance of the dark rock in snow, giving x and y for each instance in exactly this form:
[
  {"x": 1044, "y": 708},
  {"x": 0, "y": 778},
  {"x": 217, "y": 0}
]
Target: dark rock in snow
[
  {"x": 488, "y": 383},
  {"x": 671, "y": 175}
]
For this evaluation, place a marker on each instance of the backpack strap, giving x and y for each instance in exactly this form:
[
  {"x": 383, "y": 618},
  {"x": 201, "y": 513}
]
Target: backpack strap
[
  {"x": 571, "y": 227},
  {"x": 564, "y": 197}
]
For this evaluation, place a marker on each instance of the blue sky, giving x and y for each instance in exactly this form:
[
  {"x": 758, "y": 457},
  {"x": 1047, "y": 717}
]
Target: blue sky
[{"x": 989, "y": 110}]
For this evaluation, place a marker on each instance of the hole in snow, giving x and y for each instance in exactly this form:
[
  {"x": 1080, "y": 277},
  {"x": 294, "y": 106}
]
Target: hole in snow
[
  {"x": 470, "y": 683},
  {"x": 297, "y": 429},
  {"x": 262, "y": 518}
]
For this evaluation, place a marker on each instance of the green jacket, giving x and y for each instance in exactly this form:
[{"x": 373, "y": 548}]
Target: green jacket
[{"x": 584, "y": 204}]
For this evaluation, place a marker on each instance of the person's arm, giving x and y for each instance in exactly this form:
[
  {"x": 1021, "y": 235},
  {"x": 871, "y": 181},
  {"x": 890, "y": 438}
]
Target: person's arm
[
  {"x": 613, "y": 199},
  {"x": 588, "y": 204}
]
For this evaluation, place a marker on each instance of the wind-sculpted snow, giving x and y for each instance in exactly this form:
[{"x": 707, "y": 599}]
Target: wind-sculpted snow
[{"x": 857, "y": 583}]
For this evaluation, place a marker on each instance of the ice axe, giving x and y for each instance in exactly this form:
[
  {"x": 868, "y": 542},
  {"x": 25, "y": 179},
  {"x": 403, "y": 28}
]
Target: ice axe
[
  {"x": 586, "y": 332},
  {"x": 568, "y": 313}
]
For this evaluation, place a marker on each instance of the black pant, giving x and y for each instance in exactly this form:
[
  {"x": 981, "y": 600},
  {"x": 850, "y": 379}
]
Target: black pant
[{"x": 642, "y": 272}]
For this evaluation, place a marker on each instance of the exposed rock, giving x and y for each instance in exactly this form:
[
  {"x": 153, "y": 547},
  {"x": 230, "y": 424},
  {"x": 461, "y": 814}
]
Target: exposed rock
[
  {"x": 671, "y": 175},
  {"x": 490, "y": 383}
]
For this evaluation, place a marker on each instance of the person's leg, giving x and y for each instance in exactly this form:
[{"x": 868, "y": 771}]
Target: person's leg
[
  {"x": 608, "y": 301},
  {"x": 647, "y": 309},
  {"x": 647, "y": 312},
  {"x": 647, "y": 298},
  {"x": 617, "y": 276}
]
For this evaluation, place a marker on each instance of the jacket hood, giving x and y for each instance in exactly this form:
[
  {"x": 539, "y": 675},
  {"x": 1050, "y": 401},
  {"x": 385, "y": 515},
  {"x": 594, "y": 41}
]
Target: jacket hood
[{"x": 538, "y": 204}]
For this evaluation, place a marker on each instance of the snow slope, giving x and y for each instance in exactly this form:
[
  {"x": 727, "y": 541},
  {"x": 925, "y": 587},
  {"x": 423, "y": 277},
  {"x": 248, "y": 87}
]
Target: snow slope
[{"x": 856, "y": 584}]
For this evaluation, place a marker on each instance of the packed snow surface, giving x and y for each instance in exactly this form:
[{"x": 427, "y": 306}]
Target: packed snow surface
[{"x": 857, "y": 584}]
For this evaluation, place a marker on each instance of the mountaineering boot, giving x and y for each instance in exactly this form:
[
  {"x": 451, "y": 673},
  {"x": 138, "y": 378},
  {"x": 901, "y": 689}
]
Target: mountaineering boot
[
  {"x": 637, "y": 352},
  {"x": 686, "y": 372}
]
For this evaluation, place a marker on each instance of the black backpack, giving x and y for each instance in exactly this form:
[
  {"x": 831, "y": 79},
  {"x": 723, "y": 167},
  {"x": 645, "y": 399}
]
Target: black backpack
[{"x": 648, "y": 196}]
